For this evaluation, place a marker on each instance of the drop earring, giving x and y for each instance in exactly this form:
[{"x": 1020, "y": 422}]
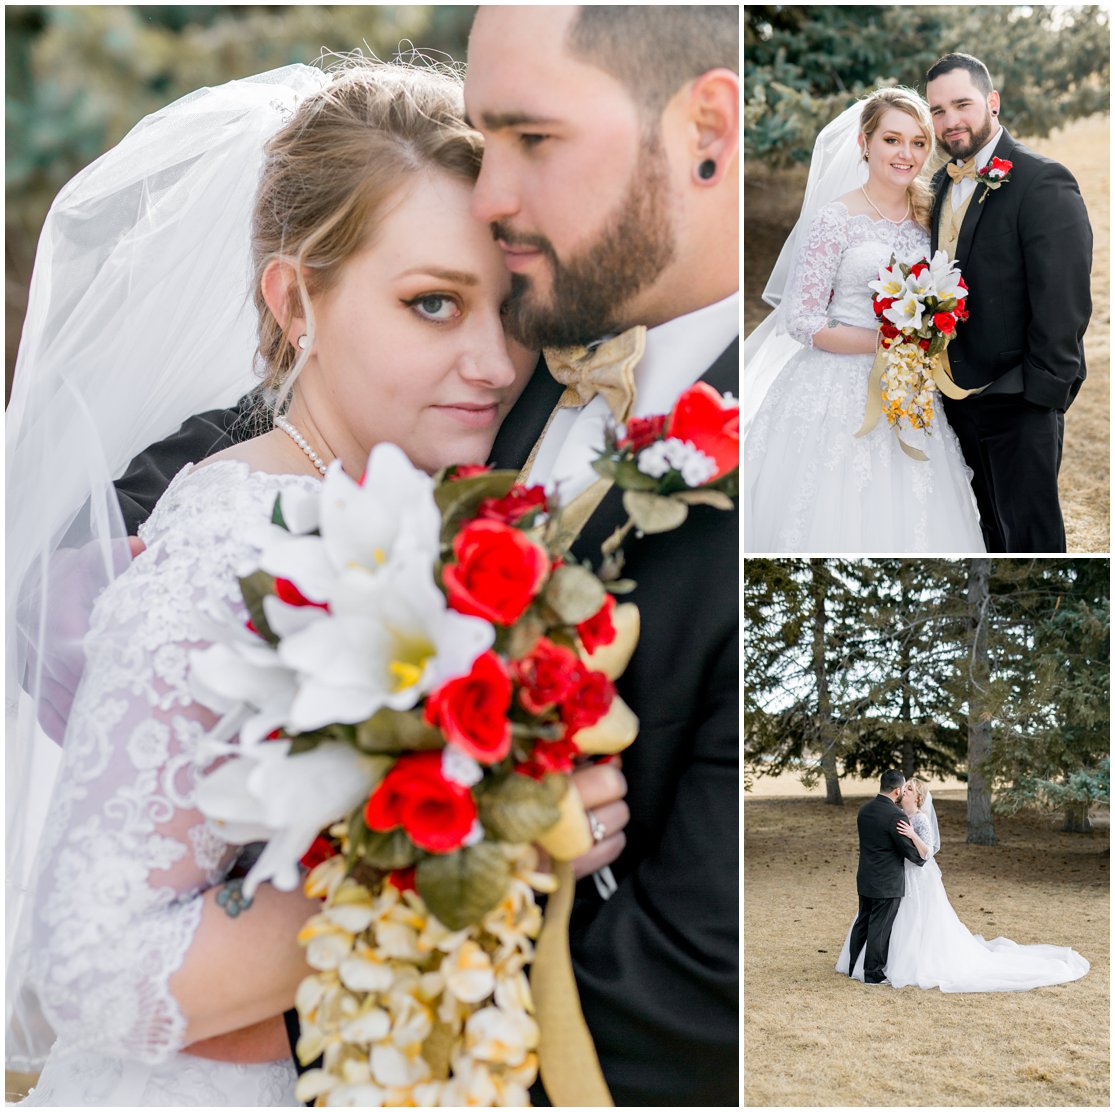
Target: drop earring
[{"x": 706, "y": 169}]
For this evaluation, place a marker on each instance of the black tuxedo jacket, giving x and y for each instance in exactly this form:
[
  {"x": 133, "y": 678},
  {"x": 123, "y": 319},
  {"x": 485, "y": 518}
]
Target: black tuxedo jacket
[
  {"x": 657, "y": 964},
  {"x": 1026, "y": 255},
  {"x": 882, "y": 850}
]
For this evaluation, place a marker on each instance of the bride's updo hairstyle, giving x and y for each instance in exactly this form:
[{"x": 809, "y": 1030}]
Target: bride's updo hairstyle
[
  {"x": 905, "y": 100},
  {"x": 330, "y": 176}
]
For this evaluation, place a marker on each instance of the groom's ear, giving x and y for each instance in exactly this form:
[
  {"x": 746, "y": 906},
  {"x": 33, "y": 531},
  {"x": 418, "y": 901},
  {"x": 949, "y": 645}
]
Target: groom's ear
[
  {"x": 993, "y": 102},
  {"x": 712, "y": 110},
  {"x": 279, "y": 286}
]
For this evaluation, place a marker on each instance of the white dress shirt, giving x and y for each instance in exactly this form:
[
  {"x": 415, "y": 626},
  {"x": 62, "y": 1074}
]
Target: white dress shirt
[
  {"x": 677, "y": 354},
  {"x": 961, "y": 190}
]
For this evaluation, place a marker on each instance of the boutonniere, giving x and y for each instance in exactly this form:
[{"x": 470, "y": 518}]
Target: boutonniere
[
  {"x": 668, "y": 462},
  {"x": 993, "y": 175}
]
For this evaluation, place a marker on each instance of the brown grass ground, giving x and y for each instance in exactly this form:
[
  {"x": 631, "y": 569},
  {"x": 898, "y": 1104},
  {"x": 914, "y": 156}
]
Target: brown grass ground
[
  {"x": 815, "y": 1038},
  {"x": 771, "y": 204}
]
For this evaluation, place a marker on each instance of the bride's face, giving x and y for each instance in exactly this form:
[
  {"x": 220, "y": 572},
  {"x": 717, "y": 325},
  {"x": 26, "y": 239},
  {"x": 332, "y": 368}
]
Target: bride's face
[
  {"x": 908, "y": 800},
  {"x": 897, "y": 150},
  {"x": 410, "y": 346}
]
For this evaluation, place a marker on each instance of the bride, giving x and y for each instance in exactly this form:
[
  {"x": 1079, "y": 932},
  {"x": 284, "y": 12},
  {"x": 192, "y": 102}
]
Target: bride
[
  {"x": 811, "y": 485},
  {"x": 378, "y": 316},
  {"x": 931, "y": 948}
]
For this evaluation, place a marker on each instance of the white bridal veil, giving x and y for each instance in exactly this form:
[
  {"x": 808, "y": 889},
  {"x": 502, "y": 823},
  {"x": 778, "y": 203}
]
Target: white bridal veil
[
  {"x": 140, "y": 315},
  {"x": 836, "y": 168}
]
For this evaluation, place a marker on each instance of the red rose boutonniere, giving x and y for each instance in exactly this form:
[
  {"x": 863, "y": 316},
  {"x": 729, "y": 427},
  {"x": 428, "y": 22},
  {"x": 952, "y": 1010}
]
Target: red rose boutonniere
[{"x": 993, "y": 175}]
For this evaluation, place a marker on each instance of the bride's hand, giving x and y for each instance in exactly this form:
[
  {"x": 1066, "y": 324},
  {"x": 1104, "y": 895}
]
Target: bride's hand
[{"x": 905, "y": 828}]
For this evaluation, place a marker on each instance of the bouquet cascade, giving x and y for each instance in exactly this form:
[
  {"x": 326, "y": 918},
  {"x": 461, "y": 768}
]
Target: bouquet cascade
[
  {"x": 918, "y": 306},
  {"x": 423, "y": 664}
]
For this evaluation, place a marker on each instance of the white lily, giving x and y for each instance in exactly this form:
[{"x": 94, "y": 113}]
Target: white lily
[
  {"x": 889, "y": 283},
  {"x": 267, "y": 795},
  {"x": 387, "y": 642},
  {"x": 905, "y": 312},
  {"x": 946, "y": 276}
]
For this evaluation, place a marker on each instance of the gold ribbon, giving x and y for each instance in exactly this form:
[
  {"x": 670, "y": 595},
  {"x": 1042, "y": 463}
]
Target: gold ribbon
[
  {"x": 567, "y": 1060},
  {"x": 939, "y": 371},
  {"x": 607, "y": 369}
]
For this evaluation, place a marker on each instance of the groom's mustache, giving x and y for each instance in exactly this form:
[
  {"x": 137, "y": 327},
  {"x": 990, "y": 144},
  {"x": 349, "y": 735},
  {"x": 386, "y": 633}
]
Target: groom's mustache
[{"x": 504, "y": 234}]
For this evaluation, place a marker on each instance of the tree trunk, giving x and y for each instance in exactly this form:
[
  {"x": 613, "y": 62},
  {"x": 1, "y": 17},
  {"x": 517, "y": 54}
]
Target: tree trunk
[
  {"x": 1076, "y": 819},
  {"x": 826, "y": 732},
  {"x": 981, "y": 829}
]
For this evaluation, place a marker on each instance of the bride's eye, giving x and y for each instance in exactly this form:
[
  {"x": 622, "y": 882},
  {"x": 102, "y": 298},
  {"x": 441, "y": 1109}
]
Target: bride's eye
[{"x": 437, "y": 307}]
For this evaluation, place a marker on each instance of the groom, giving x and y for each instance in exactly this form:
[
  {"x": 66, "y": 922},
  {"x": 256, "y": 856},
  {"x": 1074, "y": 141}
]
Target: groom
[
  {"x": 1025, "y": 249},
  {"x": 610, "y": 178},
  {"x": 880, "y": 879}
]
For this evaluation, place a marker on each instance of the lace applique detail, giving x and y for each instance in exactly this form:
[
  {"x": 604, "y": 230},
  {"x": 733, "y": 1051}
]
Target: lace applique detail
[
  {"x": 922, "y": 828},
  {"x": 126, "y": 857}
]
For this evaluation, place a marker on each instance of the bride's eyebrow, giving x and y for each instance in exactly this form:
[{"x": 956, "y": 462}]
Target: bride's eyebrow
[{"x": 462, "y": 277}]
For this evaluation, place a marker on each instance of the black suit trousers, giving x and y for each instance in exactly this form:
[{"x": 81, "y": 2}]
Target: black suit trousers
[
  {"x": 1014, "y": 451},
  {"x": 872, "y": 928}
]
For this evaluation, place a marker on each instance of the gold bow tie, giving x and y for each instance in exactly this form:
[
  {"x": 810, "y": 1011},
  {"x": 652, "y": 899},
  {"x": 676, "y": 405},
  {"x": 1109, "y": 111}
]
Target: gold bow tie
[
  {"x": 958, "y": 171},
  {"x": 608, "y": 369}
]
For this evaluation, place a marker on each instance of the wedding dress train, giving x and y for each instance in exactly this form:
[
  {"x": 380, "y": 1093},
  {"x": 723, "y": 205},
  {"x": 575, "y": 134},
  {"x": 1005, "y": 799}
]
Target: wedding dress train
[
  {"x": 931, "y": 948},
  {"x": 126, "y": 856}
]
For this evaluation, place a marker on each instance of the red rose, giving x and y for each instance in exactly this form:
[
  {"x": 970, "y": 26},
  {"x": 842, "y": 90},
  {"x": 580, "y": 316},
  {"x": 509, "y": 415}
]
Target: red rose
[
  {"x": 514, "y": 505},
  {"x": 467, "y": 470},
  {"x": 403, "y": 879},
  {"x": 546, "y": 675},
  {"x": 706, "y": 421},
  {"x": 292, "y": 596},
  {"x": 437, "y": 814},
  {"x": 923, "y": 344},
  {"x": 882, "y": 304},
  {"x": 918, "y": 268},
  {"x": 641, "y": 432},
  {"x": 1001, "y": 164},
  {"x": 588, "y": 700},
  {"x": 599, "y": 630},
  {"x": 472, "y": 710},
  {"x": 888, "y": 330},
  {"x": 961, "y": 283},
  {"x": 320, "y": 850},
  {"x": 946, "y": 322},
  {"x": 498, "y": 571},
  {"x": 547, "y": 757}
]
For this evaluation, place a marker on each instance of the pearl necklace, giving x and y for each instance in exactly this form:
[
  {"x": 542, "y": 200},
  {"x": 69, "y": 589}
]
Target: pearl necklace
[
  {"x": 887, "y": 218},
  {"x": 300, "y": 440}
]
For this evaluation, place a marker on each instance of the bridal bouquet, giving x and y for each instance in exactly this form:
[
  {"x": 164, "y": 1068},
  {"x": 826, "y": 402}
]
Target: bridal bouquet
[
  {"x": 422, "y": 665},
  {"x": 918, "y": 306}
]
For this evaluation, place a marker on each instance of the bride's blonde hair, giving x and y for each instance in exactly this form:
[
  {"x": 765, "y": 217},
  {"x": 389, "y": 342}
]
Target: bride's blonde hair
[
  {"x": 905, "y": 100},
  {"x": 921, "y": 790}
]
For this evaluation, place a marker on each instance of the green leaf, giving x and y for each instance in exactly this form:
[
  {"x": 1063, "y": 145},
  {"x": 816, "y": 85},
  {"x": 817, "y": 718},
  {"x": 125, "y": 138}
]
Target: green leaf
[
  {"x": 397, "y": 731},
  {"x": 462, "y": 887},
  {"x": 518, "y": 808},
  {"x": 390, "y": 849},
  {"x": 523, "y": 635},
  {"x": 457, "y": 499},
  {"x": 255, "y": 588},
  {"x": 277, "y": 513},
  {"x": 629, "y": 477},
  {"x": 653, "y": 513},
  {"x": 704, "y": 497},
  {"x": 574, "y": 594}
]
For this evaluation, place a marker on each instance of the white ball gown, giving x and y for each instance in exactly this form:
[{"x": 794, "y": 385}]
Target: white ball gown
[
  {"x": 126, "y": 856},
  {"x": 811, "y": 485},
  {"x": 931, "y": 948}
]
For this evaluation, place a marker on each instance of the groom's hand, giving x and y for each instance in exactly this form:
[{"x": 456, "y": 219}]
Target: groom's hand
[{"x": 602, "y": 788}]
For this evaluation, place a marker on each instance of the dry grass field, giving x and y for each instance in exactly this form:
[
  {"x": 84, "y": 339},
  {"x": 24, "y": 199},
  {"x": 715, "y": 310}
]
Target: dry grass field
[
  {"x": 815, "y": 1038},
  {"x": 771, "y": 204}
]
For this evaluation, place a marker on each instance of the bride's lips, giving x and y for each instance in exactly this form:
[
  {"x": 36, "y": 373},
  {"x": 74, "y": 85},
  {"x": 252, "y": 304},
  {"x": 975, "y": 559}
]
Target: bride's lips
[{"x": 473, "y": 415}]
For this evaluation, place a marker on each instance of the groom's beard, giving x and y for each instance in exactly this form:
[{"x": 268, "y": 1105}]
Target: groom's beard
[
  {"x": 589, "y": 290},
  {"x": 967, "y": 145}
]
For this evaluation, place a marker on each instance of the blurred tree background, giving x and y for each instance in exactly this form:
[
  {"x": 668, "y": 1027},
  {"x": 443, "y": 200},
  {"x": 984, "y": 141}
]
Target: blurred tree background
[
  {"x": 804, "y": 64},
  {"x": 79, "y": 78}
]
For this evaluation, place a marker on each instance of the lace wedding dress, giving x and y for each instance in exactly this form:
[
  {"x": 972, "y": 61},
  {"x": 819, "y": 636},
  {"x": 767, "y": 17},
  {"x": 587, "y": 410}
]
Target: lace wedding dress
[
  {"x": 812, "y": 486},
  {"x": 931, "y": 948},
  {"x": 126, "y": 857}
]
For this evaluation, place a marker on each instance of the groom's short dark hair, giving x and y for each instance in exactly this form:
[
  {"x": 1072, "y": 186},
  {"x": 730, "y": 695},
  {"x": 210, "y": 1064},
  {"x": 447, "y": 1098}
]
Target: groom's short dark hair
[
  {"x": 981, "y": 78},
  {"x": 654, "y": 49},
  {"x": 890, "y": 780}
]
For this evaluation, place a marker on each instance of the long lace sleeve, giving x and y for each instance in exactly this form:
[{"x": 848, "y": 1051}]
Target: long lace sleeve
[
  {"x": 814, "y": 274},
  {"x": 126, "y": 856},
  {"x": 922, "y": 829}
]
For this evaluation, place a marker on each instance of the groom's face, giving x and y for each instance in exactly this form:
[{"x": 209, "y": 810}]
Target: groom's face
[
  {"x": 573, "y": 184},
  {"x": 962, "y": 116}
]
